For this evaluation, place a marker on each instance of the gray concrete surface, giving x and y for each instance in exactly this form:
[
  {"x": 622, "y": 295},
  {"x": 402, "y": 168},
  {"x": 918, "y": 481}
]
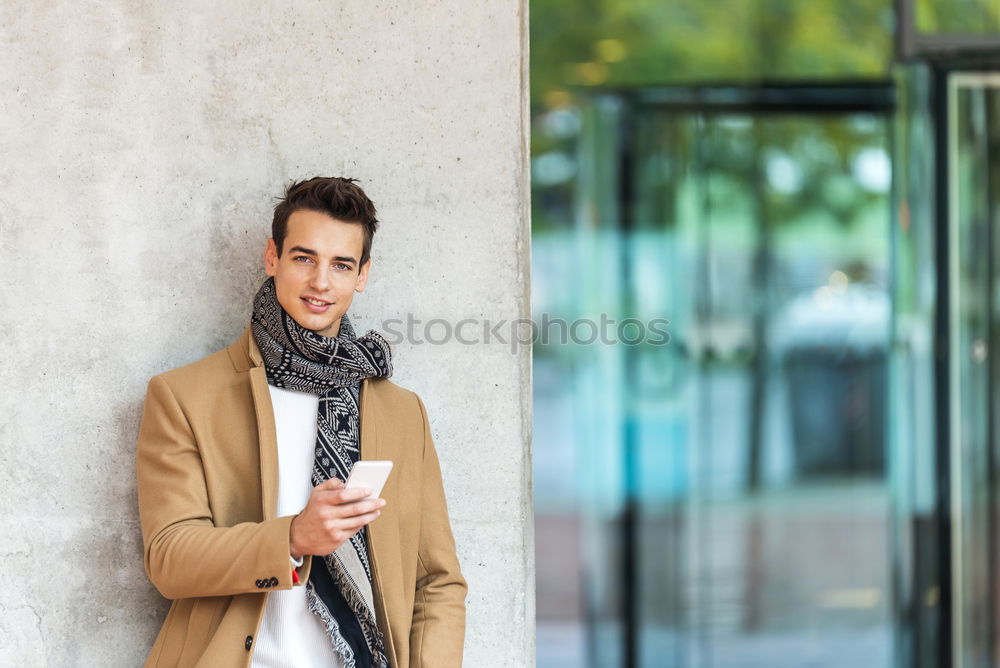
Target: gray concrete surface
[{"x": 140, "y": 146}]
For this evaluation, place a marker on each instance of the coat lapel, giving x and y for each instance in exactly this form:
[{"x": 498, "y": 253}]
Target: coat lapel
[
  {"x": 267, "y": 434},
  {"x": 267, "y": 439},
  {"x": 369, "y": 423},
  {"x": 380, "y": 532}
]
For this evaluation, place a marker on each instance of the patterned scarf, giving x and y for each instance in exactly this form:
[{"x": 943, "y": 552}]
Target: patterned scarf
[{"x": 339, "y": 590}]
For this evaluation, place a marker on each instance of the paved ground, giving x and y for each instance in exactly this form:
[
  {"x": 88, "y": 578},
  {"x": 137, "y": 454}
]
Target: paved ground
[{"x": 795, "y": 578}]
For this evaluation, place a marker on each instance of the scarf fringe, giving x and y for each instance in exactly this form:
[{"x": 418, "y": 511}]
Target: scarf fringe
[
  {"x": 365, "y": 615},
  {"x": 318, "y": 608}
]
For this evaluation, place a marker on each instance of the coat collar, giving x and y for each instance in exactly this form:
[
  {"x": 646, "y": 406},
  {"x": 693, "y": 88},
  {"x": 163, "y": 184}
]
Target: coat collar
[{"x": 244, "y": 352}]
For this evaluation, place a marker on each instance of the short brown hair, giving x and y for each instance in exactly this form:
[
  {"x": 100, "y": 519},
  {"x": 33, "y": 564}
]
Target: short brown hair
[{"x": 335, "y": 196}]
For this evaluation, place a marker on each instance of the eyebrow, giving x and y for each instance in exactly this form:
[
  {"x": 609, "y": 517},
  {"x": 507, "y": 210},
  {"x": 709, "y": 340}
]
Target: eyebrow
[{"x": 309, "y": 251}]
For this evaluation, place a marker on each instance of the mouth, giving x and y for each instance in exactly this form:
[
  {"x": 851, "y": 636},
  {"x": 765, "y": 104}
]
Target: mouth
[{"x": 316, "y": 305}]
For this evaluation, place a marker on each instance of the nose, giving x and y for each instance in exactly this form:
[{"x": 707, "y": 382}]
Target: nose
[{"x": 320, "y": 279}]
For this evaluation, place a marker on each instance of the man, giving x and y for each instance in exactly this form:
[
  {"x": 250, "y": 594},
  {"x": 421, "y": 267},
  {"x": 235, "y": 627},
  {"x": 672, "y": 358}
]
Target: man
[{"x": 241, "y": 459}]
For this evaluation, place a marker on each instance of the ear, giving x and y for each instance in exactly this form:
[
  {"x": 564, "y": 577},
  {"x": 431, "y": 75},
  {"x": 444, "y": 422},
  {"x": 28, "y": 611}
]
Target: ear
[
  {"x": 359, "y": 285},
  {"x": 271, "y": 258}
]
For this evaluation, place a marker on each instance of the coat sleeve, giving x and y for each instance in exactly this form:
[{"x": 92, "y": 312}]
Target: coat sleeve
[
  {"x": 185, "y": 554},
  {"x": 437, "y": 633}
]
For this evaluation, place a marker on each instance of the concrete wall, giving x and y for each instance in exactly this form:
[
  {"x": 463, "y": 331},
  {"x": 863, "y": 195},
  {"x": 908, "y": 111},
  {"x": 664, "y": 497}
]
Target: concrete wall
[{"x": 142, "y": 143}]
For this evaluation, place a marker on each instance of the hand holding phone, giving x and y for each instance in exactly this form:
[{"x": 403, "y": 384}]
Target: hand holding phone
[{"x": 329, "y": 519}]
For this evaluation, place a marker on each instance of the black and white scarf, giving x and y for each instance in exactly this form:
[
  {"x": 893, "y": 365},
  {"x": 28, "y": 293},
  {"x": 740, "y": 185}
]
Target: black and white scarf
[{"x": 339, "y": 590}]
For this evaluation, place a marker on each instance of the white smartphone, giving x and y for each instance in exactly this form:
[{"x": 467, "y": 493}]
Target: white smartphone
[{"x": 371, "y": 474}]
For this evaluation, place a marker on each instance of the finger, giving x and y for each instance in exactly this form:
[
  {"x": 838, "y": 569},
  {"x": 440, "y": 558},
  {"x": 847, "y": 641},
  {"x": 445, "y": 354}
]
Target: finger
[
  {"x": 349, "y": 495},
  {"x": 357, "y": 521},
  {"x": 340, "y": 496},
  {"x": 356, "y": 508},
  {"x": 331, "y": 484}
]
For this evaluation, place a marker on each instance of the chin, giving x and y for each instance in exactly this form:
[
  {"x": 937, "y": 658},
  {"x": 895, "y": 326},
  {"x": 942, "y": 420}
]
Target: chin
[
  {"x": 320, "y": 326},
  {"x": 306, "y": 321}
]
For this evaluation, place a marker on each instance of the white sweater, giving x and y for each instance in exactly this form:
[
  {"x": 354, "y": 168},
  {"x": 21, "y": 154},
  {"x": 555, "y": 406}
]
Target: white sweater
[{"x": 289, "y": 635}]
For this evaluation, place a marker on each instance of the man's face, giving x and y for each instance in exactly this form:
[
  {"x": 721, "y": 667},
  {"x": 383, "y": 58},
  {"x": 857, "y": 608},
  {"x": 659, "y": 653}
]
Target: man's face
[{"x": 319, "y": 269}]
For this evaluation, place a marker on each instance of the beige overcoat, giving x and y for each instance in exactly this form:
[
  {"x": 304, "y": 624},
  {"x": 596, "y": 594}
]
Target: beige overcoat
[{"x": 207, "y": 465}]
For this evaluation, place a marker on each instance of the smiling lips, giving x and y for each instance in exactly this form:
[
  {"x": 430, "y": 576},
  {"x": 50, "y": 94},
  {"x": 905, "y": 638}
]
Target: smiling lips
[{"x": 316, "y": 305}]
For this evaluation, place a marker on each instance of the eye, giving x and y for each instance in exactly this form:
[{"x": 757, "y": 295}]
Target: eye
[
  {"x": 302, "y": 258},
  {"x": 341, "y": 266}
]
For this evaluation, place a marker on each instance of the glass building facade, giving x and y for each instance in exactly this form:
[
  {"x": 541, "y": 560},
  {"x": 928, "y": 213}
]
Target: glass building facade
[{"x": 764, "y": 394}]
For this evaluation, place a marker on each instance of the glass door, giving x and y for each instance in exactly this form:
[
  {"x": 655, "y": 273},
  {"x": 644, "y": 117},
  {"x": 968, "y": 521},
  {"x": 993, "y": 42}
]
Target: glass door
[
  {"x": 735, "y": 505},
  {"x": 918, "y": 384},
  {"x": 785, "y": 216},
  {"x": 973, "y": 161},
  {"x": 944, "y": 395}
]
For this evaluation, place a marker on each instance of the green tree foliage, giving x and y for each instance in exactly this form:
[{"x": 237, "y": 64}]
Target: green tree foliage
[
  {"x": 958, "y": 16},
  {"x": 614, "y": 43}
]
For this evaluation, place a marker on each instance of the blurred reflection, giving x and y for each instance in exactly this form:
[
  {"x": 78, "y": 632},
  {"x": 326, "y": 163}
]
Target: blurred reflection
[{"x": 720, "y": 500}]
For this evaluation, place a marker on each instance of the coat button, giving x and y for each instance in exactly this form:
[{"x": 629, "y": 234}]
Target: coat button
[
  {"x": 248, "y": 643},
  {"x": 274, "y": 582},
  {"x": 259, "y": 584}
]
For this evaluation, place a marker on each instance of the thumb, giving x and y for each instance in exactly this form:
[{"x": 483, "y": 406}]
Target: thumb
[{"x": 331, "y": 484}]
